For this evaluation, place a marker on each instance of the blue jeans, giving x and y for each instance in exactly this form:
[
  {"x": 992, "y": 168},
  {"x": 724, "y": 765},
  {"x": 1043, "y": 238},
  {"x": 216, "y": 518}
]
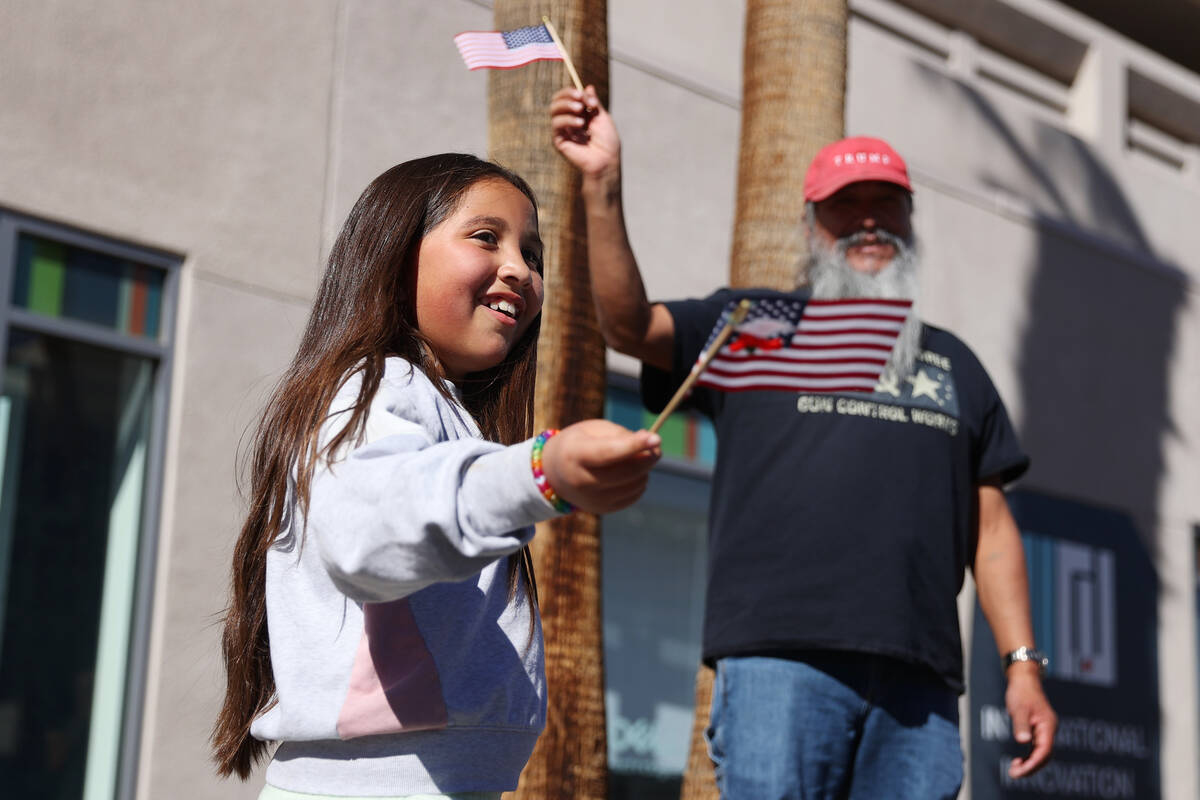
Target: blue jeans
[{"x": 829, "y": 725}]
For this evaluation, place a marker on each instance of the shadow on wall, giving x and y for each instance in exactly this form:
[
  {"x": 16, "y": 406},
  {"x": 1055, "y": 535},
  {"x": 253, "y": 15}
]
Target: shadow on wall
[
  {"x": 1094, "y": 368},
  {"x": 1095, "y": 356}
]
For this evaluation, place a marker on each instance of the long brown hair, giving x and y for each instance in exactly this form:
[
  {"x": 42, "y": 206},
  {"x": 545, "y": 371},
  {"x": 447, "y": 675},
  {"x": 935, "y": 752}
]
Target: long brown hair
[{"x": 364, "y": 312}]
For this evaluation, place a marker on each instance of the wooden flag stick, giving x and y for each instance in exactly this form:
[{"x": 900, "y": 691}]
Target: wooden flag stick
[
  {"x": 566, "y": 56},
  {"x": 735, "y": 319}
]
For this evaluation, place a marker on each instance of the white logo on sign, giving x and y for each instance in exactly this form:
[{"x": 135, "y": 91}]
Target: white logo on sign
[{"x": 1086, "y": 646}]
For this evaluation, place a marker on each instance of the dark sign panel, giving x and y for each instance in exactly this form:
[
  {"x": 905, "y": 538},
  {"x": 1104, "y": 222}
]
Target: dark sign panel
[{"x": 1094, "y": 599}]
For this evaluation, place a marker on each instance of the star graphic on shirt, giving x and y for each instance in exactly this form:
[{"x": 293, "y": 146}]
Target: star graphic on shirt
[
  {"x": 923, "y": 385},
  {"x": 888, "y": 382}
]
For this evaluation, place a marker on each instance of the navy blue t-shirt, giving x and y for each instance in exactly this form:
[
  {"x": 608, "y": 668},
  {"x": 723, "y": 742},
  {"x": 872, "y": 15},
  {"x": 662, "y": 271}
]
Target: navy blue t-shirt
[{"x": 844, "y": 521}]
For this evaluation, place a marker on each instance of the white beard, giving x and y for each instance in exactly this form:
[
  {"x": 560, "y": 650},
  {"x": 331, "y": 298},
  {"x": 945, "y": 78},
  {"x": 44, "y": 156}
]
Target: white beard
[{"x": 831, "y": 277}]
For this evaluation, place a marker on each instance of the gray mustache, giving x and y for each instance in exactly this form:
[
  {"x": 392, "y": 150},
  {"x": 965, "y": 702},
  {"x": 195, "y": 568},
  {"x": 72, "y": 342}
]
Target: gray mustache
[{"x": 863, "y": 237}]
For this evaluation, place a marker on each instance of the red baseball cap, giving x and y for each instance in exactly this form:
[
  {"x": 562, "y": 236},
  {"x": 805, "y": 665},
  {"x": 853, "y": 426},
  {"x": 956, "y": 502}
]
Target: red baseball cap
[{"x": 858, "y": 158}]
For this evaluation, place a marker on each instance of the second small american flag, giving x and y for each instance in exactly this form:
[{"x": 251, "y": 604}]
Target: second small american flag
[{"x": 815, "y": 346}]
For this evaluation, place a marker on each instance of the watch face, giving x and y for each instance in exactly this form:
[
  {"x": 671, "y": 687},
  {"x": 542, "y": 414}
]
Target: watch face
[{"x": 1026, "y": 654}]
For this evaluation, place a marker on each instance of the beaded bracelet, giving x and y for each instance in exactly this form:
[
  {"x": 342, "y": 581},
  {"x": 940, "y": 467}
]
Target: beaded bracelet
[{"x": 539, "y": 476}]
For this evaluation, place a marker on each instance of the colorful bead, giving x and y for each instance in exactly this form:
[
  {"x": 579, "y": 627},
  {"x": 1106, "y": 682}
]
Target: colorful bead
[{"x": 539, "y": 476}]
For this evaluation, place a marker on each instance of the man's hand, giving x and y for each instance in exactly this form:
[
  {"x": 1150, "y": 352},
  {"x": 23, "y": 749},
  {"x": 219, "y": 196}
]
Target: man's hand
[
  {"x": 1033, "y": 720},
  {"x": 584, "y": 132},
  {"x": 1003, "y": 589}
]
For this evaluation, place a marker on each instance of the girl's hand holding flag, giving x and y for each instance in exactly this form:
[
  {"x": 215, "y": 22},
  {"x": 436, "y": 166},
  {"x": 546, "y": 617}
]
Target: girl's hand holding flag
[{"x": 599, "y": 466}]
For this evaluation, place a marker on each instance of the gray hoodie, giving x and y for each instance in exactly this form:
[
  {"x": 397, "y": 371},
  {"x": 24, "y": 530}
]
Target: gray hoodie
[{"x": 400, "y": 665}]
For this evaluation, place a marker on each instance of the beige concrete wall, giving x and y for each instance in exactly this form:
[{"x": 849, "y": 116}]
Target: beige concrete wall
[
  {"x": 402, "y": 92},
  {"x": 697, "y": 44},
  {"x": 238, "y": 135}
]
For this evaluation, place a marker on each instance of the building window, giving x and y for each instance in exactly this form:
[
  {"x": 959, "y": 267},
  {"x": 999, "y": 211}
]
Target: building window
[
  {"x": 655, "y": 556},
  {"x": 85, "y": 327}
]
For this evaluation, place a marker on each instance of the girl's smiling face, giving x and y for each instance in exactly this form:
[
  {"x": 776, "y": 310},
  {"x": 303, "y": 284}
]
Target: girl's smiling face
[{"x": 479, "y": 278}]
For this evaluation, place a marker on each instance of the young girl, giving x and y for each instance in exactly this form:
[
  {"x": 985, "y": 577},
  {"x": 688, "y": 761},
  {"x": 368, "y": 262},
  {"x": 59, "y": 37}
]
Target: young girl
[{"x": 383, "y": 625}]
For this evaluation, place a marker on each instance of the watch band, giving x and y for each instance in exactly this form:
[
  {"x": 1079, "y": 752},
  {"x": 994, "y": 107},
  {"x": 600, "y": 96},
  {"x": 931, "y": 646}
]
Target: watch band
[{"x": 1026, "y": 654}]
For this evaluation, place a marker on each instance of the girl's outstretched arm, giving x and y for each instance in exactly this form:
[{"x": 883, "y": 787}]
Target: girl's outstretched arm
[{"x": 422, "y": 500}]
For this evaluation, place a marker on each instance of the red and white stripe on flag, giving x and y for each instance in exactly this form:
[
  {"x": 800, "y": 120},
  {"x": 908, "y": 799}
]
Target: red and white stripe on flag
[
  {"x": 507, "y": 49},
  {"x": 838, "y": 346}
]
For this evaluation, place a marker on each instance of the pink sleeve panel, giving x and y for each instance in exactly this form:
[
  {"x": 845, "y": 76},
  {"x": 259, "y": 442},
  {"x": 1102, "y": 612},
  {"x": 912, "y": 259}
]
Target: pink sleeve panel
[{"x": 394, "y": 685}]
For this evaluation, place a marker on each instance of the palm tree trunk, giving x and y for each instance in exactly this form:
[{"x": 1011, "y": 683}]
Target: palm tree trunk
[
  {"x": 570, "y": 759},
  {"x": 699, "y": 782},
  {"x": 793, "y": 103}
]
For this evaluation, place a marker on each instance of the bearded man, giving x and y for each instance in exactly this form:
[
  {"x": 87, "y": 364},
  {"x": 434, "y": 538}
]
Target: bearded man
[{"x": 840, "y": 527}]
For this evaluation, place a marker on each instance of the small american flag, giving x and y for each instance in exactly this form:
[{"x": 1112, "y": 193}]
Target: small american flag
[
  {"x": 818, "y": 346},
  {"x": 507, "y": 49}
]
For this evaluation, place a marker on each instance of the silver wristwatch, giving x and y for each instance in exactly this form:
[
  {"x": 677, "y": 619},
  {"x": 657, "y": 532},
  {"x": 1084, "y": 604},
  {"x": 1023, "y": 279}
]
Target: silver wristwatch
[{"x": 1026, "y": 654}]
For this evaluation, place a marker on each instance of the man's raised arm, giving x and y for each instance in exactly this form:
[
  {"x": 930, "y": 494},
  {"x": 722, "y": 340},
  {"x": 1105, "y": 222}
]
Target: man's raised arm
[{"x": 585, "y": 135}]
